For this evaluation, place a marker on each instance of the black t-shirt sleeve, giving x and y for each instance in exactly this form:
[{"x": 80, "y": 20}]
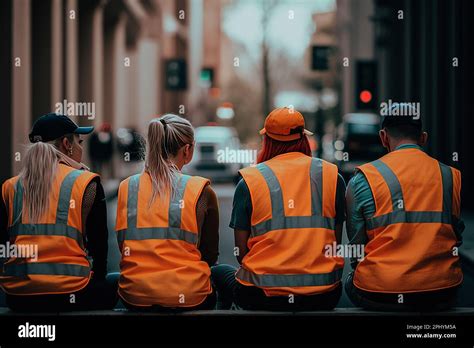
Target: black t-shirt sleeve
[
  {"x": 241, "y": 208},
  {"x": 97, "y": 233}
]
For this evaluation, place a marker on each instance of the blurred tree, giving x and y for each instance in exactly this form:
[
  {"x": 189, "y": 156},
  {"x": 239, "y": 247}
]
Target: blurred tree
[{"x": 267, "y": 8}]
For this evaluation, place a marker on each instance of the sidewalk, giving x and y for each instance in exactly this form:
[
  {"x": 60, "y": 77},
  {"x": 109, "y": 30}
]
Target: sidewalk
[{"x": 111, "y": 188}]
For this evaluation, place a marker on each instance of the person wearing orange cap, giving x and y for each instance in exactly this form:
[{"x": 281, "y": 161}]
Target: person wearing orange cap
[{"x": 287, "y": 210}]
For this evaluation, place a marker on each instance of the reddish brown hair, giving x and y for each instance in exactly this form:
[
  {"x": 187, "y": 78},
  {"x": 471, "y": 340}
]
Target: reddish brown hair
[{"x": 272, "y": 147}]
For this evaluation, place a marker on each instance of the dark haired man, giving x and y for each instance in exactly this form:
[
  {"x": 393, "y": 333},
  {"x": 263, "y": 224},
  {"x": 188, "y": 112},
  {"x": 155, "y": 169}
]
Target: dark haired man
[{"x": 404, "y": 208}]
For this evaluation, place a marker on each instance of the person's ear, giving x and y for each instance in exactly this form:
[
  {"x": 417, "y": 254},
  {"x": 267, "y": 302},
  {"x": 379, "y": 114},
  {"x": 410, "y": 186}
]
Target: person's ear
[
  {"x": 66, "y": 143},
  {"x": 423, "y": 139},
  {"x": 188, "y": 153},
  {"x": 384, "y": 138}
]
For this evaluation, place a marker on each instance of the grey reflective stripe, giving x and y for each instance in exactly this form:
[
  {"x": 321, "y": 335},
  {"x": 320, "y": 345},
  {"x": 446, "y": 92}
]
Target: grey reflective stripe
[
  {"x": 316, "y": 175},
  {"x": 132, "y": 200},
  {"x": 65, "y": 192},
  {"x": 43, "y": 268},
  {"x": 174, "y": 212},
  {"x": 60, "y": 228},
  {"x": 274, "y": 187},
  {"x": 46, "y": 230},
  {"x": 17, "y": 202},
  {"x": 409, "y": 217},
  {"x": 144, "y": 233},
  {"x": 447, "y": 180},
  {"x": 287, "y": 222},
  {"x": 392, "y": 183},
  {"x": 174, "y": 230},
  {"x": 402, "y": 216},
  {"x": 279, "y": 221},
  {"x": 289, "y": 280}
]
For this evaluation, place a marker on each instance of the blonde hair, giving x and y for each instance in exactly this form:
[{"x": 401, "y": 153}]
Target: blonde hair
[
  {"x": 166, "y": 135},
  {"x": 37, "y": 176}
]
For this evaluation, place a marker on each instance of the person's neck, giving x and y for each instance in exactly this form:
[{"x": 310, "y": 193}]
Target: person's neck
[
  {"x": 65, "y": 159},
  {"x": 176, "y": 163},
  {"x": 400, "y": 142}
]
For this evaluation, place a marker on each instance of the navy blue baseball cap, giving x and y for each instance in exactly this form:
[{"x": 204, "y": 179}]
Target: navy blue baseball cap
[{"x": 53, "y": 126}]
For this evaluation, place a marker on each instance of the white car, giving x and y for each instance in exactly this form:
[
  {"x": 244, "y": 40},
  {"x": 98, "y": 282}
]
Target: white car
[{"x": 211, "y": 159}]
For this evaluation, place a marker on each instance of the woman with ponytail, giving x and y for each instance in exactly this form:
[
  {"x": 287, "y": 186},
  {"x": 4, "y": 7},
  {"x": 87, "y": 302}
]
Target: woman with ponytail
[
  {"x": 167, "y": 226},
  {"x": 55, "y": 208}
]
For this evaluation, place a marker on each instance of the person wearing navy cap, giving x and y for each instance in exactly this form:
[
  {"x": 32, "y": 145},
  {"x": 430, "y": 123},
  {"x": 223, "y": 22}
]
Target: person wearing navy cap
[
  {"x": 56, "y": 204},
  {"x": 64, "y": 134}
]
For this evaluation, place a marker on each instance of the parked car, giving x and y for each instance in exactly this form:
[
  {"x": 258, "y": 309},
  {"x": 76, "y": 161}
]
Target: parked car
[
  {"x": 213, "y": 144},
  {"x": 358, "y": 142}
]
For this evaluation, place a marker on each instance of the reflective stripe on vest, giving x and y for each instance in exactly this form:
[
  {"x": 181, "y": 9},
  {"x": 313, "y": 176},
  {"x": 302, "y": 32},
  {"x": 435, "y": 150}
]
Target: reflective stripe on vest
[
  {"x": 289, "y": 280},
  {"x": 45, "y": 268},
  {"x": 174, "y": 231},
  {"x": 399, "y": 215},
  {"x": 59, "y": 228},
  {"x": 279, "y": 221}
]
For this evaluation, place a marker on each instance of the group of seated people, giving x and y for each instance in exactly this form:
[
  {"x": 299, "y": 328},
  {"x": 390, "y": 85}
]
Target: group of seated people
[{"x": 288, "y": 209}]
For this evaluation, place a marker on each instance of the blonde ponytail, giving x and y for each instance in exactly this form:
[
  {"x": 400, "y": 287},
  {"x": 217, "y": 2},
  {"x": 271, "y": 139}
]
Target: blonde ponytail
[
  {"x": 166, "y": 135},
  {"x": 37, "y": 176}
]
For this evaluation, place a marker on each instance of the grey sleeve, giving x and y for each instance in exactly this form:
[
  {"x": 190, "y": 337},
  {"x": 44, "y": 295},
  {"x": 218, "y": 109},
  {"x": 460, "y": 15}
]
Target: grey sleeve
[{"x": 340, "y": 200}]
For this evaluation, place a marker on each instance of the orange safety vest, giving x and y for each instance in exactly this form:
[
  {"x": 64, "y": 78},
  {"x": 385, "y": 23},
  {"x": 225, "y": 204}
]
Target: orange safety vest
[
  {"x": 293, "y": 220},
  {"x": 161, "y": 263},
  {"x": 411, "y": 236},
  {"x": 62, "y": 265}
]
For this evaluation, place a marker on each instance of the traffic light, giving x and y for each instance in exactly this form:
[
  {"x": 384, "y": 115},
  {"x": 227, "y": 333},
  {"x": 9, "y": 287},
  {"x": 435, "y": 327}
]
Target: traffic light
[
  {"x": 207, "y": 77},
  {"x": 320, "y": 57},
  {"x": 366, "y": 85},
  {"x": 175, "y": 74}
]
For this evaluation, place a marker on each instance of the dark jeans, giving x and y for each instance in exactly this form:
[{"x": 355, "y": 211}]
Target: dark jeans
[
  {"x": 229, "y": 291},
  {"x": 97, "y": 295},
  {"x": 425, "y": 301},
  {"x": 208, "y": 304}
]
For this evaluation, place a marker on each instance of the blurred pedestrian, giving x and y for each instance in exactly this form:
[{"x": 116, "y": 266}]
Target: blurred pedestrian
[
  {"x": 167, "y": 226},
  {"x": 56, "y": 205},
  {"x": 286, "y": 211},
  {"x": 101, "y": 149},
  {"x": 405, "y": 209}
]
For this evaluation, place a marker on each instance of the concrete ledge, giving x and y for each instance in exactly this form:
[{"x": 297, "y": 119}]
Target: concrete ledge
[{"x": 338, "y": 312}]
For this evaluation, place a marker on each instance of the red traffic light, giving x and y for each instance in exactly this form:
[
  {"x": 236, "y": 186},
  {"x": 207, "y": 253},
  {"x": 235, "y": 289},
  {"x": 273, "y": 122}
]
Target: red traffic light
[{"x": 365, "y": 96}]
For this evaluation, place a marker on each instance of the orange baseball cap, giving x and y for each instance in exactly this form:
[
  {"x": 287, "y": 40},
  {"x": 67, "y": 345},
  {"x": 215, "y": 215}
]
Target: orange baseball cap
[{"x": 284, "y": 124}]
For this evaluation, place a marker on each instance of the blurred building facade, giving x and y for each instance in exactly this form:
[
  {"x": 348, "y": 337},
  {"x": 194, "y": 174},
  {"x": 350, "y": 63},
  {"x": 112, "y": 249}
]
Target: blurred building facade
[
  {"x": 428, "y": 57},
  {"x": 423, "y": 54},
  {"x": 111, "y": 53}
]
